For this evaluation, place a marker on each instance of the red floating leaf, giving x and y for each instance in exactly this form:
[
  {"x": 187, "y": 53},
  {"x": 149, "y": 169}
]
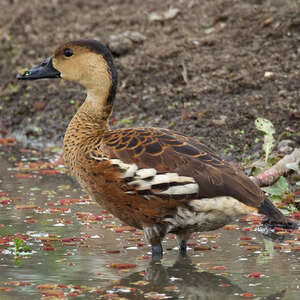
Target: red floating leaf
[
  {"x": 230, "y": 227},
  {"x": 249, "y": 295},
  {"x": 143, "y": 257},
  {"x": 26, "y": 206},
  {"x": 5, "y": 288},
  {"x": 253, "y": 248},
  {"x": 202, "y": 248},
  {"x": 113, "y": 251},
  {"x": 77, "y": 287},
  {"x": 23, "y": 175},
  {"x": 192, "y": 244},
  {"x": 63, "y": 286},
  {"x": 125, "y": 228},
  {"x": 218, "y": 268},
  {"x": 254, "y": 275},
  {"x": 121, "y": 266},
  {"x": 223, "y": 285},
  {"x": 54, "y": 293},
  {"x": 295, "y": 248},
  {"x": 247, "y": 229},
  {"x": 245, "y": 238},
  {"x": 48, "y": 248},
  {"x": 4, "y": 202},
  {"x": 49, "y": 172},
  {"x": 74, "y": 294},
  {"x": 7, "y": 141},
  {"x": 170, "y": 288},
  {"x": 30, "y": 221},
  {"x": 296, "y": 215},
  {"x": 46, "y": 286}
]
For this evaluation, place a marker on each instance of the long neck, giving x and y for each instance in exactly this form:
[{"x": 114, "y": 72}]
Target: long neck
[
  {"x": 91, "y": 118},
  {"x": 88, "y": 125}
]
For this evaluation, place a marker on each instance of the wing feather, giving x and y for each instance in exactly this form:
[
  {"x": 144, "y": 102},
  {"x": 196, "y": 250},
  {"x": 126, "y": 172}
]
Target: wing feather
[{"x": 167, "y": 151}]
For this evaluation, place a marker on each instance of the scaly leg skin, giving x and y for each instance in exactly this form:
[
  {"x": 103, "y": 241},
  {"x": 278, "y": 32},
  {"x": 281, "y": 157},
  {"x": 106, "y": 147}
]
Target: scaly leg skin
[
  {"x": 154, "y": 235},
  {"x": 157, "y": 252},
  {"x": 182, "y": 248},
  {"x": 182, "y": 241}
]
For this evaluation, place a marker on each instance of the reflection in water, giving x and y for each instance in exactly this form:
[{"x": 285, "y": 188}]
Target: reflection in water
[{"x": 185, "y": 280}]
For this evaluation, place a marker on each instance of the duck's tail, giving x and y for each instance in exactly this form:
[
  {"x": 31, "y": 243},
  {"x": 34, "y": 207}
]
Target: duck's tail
[{"x": 274, "y": 217}]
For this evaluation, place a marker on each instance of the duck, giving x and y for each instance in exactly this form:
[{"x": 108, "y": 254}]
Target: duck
[{"x": 154, "y": 179}]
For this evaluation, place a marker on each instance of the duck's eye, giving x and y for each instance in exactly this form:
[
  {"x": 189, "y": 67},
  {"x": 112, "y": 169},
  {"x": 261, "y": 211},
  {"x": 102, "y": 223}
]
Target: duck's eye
[{"x": 68, "y": 52}]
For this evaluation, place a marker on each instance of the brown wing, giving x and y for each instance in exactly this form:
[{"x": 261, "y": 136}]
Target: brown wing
[{"x": 167, "y": 151}]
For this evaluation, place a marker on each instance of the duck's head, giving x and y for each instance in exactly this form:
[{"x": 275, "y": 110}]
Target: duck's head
[{"x": 86, "y": 62}]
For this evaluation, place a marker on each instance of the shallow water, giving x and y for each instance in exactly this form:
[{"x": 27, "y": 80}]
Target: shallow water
[{"x": 76, "y": 250}]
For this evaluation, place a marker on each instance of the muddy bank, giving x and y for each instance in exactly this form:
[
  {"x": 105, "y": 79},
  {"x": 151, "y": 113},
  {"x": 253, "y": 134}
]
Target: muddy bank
[{"x": 205, "y": 68}]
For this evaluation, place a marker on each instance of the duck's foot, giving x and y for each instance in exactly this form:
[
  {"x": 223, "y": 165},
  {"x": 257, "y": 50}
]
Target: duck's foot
[
  {"x": 269, "y": 233},
  {"x": 157, "y": 252},
  {"x": 288, "y": 225}
]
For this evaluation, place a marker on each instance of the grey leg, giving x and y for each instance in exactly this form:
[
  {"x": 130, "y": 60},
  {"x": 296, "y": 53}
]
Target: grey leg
[
  {"x": 182, "y": 248},
  {"x": 154, "y": 235},
  {"x": 182, "y": 239},
  {"x": 157, "y": 252}
]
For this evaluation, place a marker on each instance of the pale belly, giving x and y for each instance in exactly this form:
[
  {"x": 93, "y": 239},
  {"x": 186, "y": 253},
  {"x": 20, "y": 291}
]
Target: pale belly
[{"x": 207, "y": 214}]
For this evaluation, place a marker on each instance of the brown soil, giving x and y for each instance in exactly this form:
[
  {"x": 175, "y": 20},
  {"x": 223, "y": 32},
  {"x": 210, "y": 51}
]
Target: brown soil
[{"x": 208, "y": 72}]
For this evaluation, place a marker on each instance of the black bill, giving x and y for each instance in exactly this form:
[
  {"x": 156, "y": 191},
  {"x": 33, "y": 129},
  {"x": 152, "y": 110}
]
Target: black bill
[{"x": 43, "y": 70}]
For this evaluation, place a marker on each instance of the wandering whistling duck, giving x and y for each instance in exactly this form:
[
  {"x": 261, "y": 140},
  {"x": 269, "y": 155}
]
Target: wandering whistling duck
[{"x": 154, "y": 179}]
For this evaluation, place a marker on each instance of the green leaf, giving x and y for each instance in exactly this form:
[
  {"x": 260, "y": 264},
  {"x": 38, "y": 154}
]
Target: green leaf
[
  {"x": 123, "y": 122},
  {"x": 255, "y": 171},
  {"x": 18, "y": 243},
  {"x": 26, "y": 249},
  {"x": 267, "y": 129},
  {"x": 280, "y": 188},
  {"x": 275, "y": 198}
]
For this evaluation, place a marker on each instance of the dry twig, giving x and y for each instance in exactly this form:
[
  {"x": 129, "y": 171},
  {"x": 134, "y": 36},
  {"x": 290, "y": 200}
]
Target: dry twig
[{"x": 269, "y": 176}]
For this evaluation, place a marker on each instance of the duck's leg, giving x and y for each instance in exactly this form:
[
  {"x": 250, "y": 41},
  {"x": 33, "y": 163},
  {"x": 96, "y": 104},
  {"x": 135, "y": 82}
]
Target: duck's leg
[
  {"x": 157, "y": 252},
  {"x": 182, "y": 239},
  {"x": 154, "y": 235}
]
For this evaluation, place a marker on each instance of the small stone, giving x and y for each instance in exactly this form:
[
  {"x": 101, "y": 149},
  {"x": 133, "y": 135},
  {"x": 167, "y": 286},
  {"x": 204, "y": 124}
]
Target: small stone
[
  {"x": 286, "y": 146},
  {"x": 122, "y": 43},
  {"x": 269, "y": 74},
  {"x": 221, "y": 121},
  {"x": 171, "y": 13},
  {"x": 207, "y": 41},
  {"x": 267, "y": 21}
]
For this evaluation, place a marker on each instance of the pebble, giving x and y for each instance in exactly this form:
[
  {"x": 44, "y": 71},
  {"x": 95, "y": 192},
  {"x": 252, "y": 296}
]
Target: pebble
[
  {"x": 286, "y": 146},
  {"x": 122, "y": 43},
  {"x": 220, "y": 121}
]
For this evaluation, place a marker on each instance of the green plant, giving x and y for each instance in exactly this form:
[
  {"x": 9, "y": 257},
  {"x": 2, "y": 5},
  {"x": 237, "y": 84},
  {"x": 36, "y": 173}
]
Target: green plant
[
  {"x": 267, "y": 129},
  {"x": 20, "y": 247}
]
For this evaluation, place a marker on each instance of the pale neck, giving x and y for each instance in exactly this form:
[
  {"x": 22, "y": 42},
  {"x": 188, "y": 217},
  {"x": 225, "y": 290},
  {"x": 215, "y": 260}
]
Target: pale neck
[{"x": 91, "y": 119}]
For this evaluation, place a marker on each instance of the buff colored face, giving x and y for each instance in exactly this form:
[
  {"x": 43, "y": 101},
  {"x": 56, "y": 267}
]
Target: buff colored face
[
  {"x": 79, "y": 64},
  {"x": 74, "y": 63}
]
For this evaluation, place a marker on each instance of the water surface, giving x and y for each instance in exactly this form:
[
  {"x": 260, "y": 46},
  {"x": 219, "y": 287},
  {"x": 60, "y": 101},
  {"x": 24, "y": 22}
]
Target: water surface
[{"x": 77, "y": 250}]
